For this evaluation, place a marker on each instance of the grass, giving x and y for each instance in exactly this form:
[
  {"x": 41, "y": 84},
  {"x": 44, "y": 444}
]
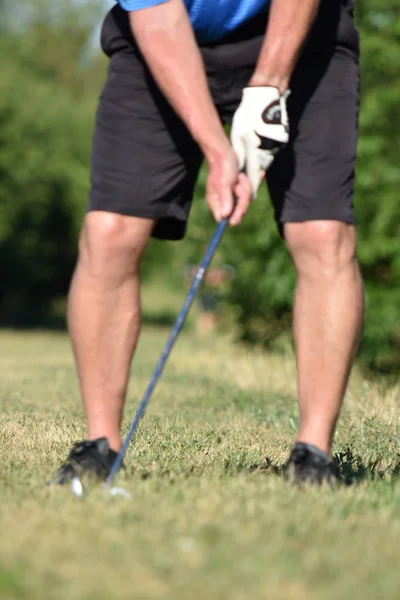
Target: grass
[{"x": 201, "y": 524}]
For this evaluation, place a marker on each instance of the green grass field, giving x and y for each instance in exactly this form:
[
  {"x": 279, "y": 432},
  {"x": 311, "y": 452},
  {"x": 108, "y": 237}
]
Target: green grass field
[{"x": 202, "y": 523}]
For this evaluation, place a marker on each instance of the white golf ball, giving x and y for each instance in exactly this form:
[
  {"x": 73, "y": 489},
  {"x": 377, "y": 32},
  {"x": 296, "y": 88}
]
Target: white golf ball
[
  {"x": 76, "y": 487},
  {"x": 119, "y": 491}
]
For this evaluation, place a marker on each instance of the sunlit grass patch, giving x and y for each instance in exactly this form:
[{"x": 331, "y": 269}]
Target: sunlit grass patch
[{"x": 206, "y": 519}]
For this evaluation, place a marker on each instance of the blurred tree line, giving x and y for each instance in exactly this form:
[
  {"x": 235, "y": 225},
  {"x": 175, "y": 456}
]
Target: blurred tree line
[
  {"x": 47, "y": 101},
  {"x": 51, "y": 76}
]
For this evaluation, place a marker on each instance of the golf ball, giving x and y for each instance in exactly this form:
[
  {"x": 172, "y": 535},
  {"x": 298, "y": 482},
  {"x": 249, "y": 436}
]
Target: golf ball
[{"x": 76, "y": 487}]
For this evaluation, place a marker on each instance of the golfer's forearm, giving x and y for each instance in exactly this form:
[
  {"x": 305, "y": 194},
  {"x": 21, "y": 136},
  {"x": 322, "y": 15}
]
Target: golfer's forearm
[
  {"x": 166, "y": 39},
  {"x": 288, "y": 25}
]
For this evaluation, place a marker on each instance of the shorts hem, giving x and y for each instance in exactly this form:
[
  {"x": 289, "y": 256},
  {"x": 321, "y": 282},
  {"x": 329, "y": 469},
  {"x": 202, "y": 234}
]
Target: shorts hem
[
  {"x": 295, "y": 217},
  {"x": 168, "y": 226}
]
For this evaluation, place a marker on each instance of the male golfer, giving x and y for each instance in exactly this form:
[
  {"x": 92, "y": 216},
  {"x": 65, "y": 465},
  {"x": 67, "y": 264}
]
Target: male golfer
[{"x": 178, "y": 70}]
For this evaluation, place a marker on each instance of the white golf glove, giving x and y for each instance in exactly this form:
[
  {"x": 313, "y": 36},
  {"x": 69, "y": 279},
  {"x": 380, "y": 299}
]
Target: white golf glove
[{"x": 260, "y": 127}]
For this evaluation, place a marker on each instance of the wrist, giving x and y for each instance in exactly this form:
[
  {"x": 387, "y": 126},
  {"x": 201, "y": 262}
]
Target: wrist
[
  {"x": 214, "y": 148},
  {"x": 268, "y": 80}
]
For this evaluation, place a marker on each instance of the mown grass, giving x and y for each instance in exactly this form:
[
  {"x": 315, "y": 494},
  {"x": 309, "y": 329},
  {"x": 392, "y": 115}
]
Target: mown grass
[{"x": 202, "y": 523}]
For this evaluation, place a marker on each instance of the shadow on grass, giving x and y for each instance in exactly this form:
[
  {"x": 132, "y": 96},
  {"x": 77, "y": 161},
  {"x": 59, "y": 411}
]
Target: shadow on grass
[
  {"x": 44, "y": 322},
  {"x": 34, "y": 323},
  {"x": 180, "y": 472},
  {"x": 160, "y": 319},
  {"x": 355, "y": 469},
  {"x": 266, "y": 468},
  {"x": 352, "y": 467}
]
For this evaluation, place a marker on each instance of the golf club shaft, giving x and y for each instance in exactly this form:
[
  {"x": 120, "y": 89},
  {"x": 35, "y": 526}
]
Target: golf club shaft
[{"x": 214, "y": 242}]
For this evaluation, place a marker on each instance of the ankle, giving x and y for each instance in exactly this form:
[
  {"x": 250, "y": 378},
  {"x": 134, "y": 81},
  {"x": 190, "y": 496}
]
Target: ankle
[
  {"x": 316, "y": 442},
  {"x": 114, "y": 439},
  {"x": 314, "y": 450}
]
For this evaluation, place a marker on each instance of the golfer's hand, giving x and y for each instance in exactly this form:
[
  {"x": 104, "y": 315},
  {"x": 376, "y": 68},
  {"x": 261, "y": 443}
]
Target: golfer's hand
[
  {"x": 260, "y": 127},
  {"x": 224, "y": 182}
]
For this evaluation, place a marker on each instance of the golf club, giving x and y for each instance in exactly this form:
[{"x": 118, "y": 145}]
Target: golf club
[{"x": 214, "y": 242}]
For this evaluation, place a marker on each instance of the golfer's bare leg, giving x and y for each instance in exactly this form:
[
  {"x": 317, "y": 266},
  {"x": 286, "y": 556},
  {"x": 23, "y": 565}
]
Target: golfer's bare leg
[
  {"x": 328, "y": 313},
  {"x": 104, "y": 315}
]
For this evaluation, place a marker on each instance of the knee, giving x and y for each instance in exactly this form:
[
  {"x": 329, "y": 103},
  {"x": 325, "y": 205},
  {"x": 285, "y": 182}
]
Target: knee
[
  {"x": 323, "y": 248},
  {"x": 112, "y": 243}
]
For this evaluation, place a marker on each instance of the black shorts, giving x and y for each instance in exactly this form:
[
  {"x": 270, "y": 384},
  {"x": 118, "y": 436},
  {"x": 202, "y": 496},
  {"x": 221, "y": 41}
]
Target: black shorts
[{"x": 145, "y": 162}]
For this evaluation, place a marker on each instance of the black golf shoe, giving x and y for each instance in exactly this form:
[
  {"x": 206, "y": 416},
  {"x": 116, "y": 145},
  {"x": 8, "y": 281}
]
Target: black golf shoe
[
  {"x": 308, "y": 464},
  {"x": 92, "y": 459}
]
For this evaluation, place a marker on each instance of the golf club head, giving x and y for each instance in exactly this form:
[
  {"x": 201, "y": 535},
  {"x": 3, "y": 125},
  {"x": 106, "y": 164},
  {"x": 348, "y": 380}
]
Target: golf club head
[{"x": 119, "y": 491}]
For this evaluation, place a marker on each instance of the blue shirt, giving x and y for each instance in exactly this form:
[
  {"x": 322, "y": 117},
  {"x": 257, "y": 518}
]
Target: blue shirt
[{"x": 211, "y": 19}]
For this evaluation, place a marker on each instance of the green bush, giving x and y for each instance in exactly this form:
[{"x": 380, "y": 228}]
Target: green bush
[
  {"x": 378, "y": 180},
  {"x": 51, "y": 77},
  {"x": 44, "y": 150},
  {"x": 261, "y": 293}
]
